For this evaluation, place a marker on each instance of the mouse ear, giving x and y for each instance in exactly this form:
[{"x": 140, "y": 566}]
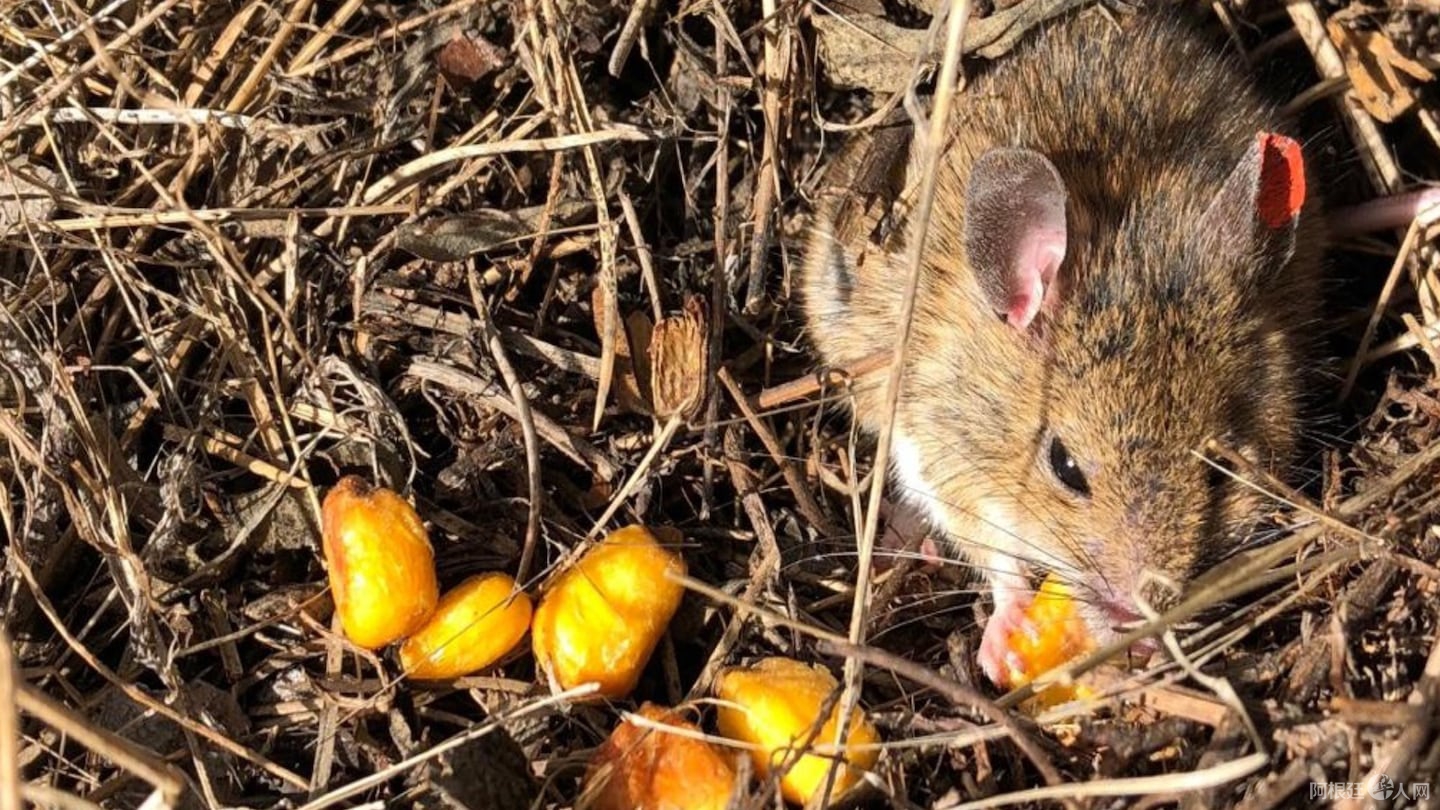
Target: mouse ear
[
  {"x": 1015, "y": 230},
  {"x": 1256, "y": 210}
]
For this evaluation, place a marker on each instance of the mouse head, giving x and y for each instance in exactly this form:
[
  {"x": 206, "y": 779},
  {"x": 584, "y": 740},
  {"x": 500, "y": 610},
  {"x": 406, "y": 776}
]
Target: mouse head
[{"x": 1120, "y": 347}]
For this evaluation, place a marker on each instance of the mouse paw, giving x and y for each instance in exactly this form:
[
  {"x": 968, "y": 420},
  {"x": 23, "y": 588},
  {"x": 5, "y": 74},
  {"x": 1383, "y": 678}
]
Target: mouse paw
[{"x": 1000, "y": 663}]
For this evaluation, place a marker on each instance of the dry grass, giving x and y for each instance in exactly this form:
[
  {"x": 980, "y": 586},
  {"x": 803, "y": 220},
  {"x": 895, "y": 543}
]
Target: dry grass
[{"x": 246, "y": 248}]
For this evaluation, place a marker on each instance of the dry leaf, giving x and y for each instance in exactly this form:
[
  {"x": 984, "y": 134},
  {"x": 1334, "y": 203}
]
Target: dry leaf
[
  {"x": 632, "y": 372},
  {"x": 23, "y": 201},
  {"x": 639, "y": 331},
  {"x": 692, "y": 81},
  {"x": 603, "y": 304},
  {"x": 679, "y": 355},
  {"x": 453, "y": 237},
  {"x": 465, "y": 60},
  {"x": 1375, "y": 66},
  {"x": 867, "y": 51}
]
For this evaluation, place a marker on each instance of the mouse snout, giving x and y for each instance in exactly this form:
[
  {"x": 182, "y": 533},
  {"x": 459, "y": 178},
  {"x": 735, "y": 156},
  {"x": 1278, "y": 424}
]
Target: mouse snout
[
  {"x": 1123, "y": 589},
  {"x": 1153, "y": 550},
  {"x": 1109, "y": 612},
  {"x": 1121, "y": 609}
]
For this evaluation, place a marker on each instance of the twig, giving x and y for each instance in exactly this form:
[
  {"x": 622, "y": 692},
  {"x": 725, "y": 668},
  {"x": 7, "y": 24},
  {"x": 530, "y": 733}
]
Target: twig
[
  {"x": 46, "y": 796},
  {"x": 491, "y": 337},
  {"x": 153, "y": 117},
  {"x": 1384, "y": 174},
  {"x": 1384, "y": 213},
  {"x": 1159, "y": 696},
  {"x": 498, "y": 720},
  {"x": 642, "y": 252},
  {"x": 538, "y": 246},
  {"x": 224, "y": 445},
  {"x": 639, "y": 10},
  {"x": 569, "y": 98},
  {"x": 120, "y": 218},
  {"x": 958, "y": 694},
  {"x": 804, "y": 498},
  {"x": 328, "y": 722},
  {"x": 719, "y": 301},
  {"x": 579, "y": 450},
  {"x": 764, "y": 561},
  {"x": 777, "y": 395},
  {"x": 767, "y": 179},
  {"x": 387, "y": 187},
  {"x": 1381, "y": 303},
  {"x": 958, "y": 15},
  {"x": 9, "y": 727},
  {"x": 1409, "y": 340},
  {"x": 672, "y": 426},
  {"x": 1183, "y": 782}
]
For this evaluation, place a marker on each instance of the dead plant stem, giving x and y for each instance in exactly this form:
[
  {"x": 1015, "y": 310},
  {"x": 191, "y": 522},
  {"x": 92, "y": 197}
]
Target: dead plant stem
[
  {"x": 536, "y": 492},
  {"x": 958, "y": 15}
]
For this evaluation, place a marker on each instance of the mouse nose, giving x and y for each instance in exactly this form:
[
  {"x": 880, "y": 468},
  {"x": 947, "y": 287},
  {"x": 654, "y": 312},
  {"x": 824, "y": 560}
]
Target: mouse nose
[
  {"x": 1116, "y": 597},
  {"x": 1116, "y": 615}
]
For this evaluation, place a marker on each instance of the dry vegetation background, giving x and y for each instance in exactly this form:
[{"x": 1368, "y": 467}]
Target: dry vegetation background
[{"x": 246, "y": 247}]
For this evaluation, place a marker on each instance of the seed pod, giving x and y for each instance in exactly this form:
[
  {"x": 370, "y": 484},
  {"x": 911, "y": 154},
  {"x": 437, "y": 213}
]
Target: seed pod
[
  {"x": 640, "y": 768},
  {"x": 679, "y": 355},
  {"x": 382, "y": 569},
  {"x": 476, "y": 624},
  {"x": 601, "y": 620},
  {"x": 774, "y": 706}
]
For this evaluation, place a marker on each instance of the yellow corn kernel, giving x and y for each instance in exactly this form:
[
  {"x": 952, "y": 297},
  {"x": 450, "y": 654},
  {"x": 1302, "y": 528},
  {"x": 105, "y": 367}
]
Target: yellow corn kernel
[
  {"x": 640, "y": 768},
  {"x": 774, "y": 706},
  {"x": 382, "y": 569},
  {"x": 475, "y": 625},
  {"x": 600, "y": 620},
  {"x": 1062, "y": 636}
]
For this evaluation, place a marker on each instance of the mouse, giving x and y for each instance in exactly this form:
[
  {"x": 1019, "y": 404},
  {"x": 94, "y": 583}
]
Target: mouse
[{"x": 1122, "y": 259}]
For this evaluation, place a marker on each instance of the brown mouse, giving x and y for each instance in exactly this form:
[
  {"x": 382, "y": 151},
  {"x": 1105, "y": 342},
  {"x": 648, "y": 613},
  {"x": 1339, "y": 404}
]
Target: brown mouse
[{"x": 1120, "y": 265}]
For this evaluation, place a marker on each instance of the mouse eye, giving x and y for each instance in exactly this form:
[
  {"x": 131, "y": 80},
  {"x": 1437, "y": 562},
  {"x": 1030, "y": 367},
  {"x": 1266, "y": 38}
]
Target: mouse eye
[{"x": 1063, "y": 465}]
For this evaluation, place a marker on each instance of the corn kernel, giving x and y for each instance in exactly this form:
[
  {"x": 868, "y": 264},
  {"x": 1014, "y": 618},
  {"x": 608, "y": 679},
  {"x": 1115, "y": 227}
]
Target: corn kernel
[
  {"x": 475, "y": 625},
  {"x": 639, "y": 768},
  {"x": 1062, "y": 636},
  {"x": 774, "y": 705},
  {"x": 600, "y": 620},
  {"x": 382, "y": 569}
]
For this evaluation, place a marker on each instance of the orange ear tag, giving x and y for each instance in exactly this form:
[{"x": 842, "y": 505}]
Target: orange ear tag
[{"x": 1282, "y": 180}]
